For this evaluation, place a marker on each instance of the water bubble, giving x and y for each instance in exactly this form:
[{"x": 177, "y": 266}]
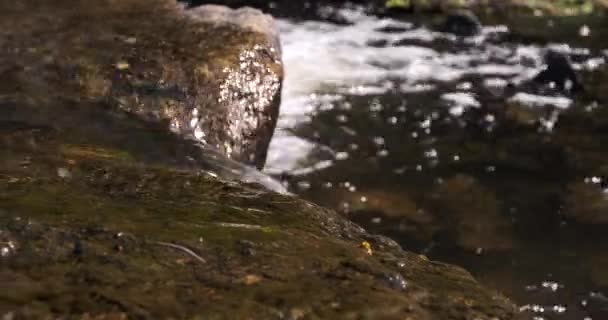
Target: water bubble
[
  {"x": 7, "y": 249},
  {"x": 341, "y": 156},
  {"x": 584, "y": 31},
  {"x": 64, "y": 173},
  {"x": 400, "y": 170},
  {"x": 432, "y": 153},
  {"x": 375, "y": 106},
  {"x": 378, "y": 140},
  {"x": 464, "y": 86},
  {"x": 304, "y": 185},
  {"x": 425, "y": 124},
  {"x": 551, "y": 285}
]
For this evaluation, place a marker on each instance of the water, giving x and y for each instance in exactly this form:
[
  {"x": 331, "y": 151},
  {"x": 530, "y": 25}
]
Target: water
[{"x": 446, "y": 145}]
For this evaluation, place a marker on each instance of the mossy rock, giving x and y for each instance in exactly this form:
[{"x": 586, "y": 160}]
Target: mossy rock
[
  {"x": 106, "y": 214},
  {"x": 88, "y": 232},
  {"x": 211, "y": 75}
]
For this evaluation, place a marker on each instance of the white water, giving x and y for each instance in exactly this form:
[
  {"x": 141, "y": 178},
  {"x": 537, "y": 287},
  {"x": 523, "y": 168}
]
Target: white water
[{"x": 324, "y": 62}]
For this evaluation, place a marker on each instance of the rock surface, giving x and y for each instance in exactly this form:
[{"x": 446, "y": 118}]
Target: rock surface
[
  {"x": 215, "y": 81},
  {"x": 105, "y": 213},
  {"x": 89, "y": 232}
]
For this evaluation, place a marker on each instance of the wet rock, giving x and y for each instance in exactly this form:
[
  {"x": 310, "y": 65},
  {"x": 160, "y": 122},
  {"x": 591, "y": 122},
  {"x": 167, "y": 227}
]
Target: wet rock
[
  {"x": 461, "y": 23},
  {"x": 159, "y": 215},
  {"x": 209, "y": 74},
  {"x": 558, "y": 73}
]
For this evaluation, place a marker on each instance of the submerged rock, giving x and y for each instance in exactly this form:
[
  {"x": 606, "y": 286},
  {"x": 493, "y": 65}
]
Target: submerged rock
[
  {"x": 479, "y": 225},
  {"x": 461, "y": 23},
  {"x": 558, "y": 73}
]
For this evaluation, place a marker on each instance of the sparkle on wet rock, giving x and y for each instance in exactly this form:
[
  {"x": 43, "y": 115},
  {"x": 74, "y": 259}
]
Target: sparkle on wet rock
[{"x": 249, "y": 91}]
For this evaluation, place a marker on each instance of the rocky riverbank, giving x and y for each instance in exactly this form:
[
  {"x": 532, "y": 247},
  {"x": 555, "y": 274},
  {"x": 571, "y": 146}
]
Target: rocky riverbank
[{"x": 110, "y": 201}]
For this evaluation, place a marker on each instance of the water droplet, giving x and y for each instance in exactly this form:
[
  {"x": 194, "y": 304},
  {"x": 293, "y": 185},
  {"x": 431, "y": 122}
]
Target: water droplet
[
  {"x": 584, "y": 31},
  {"x": 63, "y": 173},
  {"x": 378, "y": 140},
  {"x": 341, "y": 156},
  {"x": 304, "y": 185}
]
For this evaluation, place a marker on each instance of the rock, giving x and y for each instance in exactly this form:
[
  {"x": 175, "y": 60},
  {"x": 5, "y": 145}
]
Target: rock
[
  {"x": 157, "y": 242},
  {"x": 246, "y": 18},
  {"x": 473, "y": 212},
  {"x": 209, "y": 74},
  {"x": 558, "y": 72},
  {"x": 105, "y": 213},
  {"x": 461, "y": 23}
]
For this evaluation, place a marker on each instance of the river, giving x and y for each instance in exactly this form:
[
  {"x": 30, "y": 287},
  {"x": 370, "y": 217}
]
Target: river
[{"x": 445, "y": 144}]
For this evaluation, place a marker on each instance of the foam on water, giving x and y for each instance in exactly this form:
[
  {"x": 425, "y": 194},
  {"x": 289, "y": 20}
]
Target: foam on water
[{"x": 324, "y": 62}]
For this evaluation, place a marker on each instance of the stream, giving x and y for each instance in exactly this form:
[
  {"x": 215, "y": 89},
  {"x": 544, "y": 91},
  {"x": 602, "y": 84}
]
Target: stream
[{"x": 447, "y": 145}]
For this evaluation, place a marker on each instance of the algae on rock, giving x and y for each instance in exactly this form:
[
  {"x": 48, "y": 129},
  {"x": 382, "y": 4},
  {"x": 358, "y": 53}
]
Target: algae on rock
[
  {"x": 105, "y": 213},
  {"x": 217, "y": 82},
  {"x": 91, "y": 232}
]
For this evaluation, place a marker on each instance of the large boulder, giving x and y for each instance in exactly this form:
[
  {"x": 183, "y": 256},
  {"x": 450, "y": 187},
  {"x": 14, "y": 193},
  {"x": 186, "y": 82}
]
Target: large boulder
[
  {"x": 89, "y": 232},
  {"x": 209, "y": 74}
]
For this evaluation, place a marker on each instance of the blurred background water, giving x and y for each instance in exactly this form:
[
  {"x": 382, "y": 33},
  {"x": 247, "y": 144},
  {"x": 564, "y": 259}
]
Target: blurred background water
[{"x": 447, "y": 145}]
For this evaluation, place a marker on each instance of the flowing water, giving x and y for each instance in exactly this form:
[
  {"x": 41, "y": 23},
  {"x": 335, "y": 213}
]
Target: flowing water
[{"x": 446, "y": 145}]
